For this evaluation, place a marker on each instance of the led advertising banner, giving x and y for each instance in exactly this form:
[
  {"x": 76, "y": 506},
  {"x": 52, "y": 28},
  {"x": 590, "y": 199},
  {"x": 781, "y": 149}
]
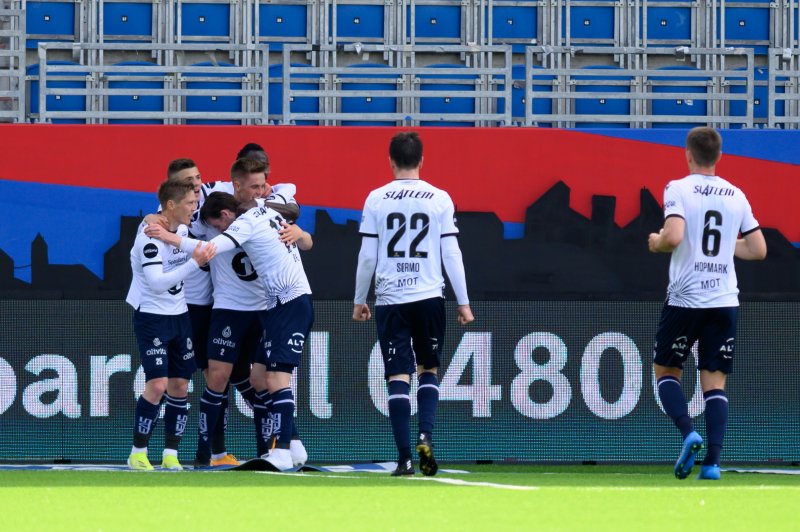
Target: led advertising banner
[{"x": 529, "y": 381}]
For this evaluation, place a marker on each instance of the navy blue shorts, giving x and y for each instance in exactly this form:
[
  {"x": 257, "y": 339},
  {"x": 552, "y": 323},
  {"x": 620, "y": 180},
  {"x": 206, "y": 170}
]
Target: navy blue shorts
[
  {"x": 286, "y": 329},
  {"x": 233, "y": 334},
  {"x": 200, "y": 316},
  {"x": 713, "y": 328},
  {"x": 420, "y": 323},
  {"x": 165, "y": 345}
]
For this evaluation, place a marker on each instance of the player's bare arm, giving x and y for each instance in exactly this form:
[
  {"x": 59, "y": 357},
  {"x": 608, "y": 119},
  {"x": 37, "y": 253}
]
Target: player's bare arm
[
  {"x": 670, "y": 236},
  {"x": 165, "y": 235},
  {"x": 159, "y": 219},
  {"x": 752, "y": 246},
  {"x": 290, "y": 211},
  {"x": 293, "y": 234}
]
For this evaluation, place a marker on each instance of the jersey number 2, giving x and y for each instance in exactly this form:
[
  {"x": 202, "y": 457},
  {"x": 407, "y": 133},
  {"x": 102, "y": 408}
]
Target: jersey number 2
[{"x": 419, "y": 222}]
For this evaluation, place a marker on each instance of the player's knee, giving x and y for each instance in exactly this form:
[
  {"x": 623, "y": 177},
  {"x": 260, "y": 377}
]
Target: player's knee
[
  {"x": 154, "y": 390},
  {"x": 666, "y": 371},
  {"x": 421, "y": 370},
  {"x": 178, "y": 387}
]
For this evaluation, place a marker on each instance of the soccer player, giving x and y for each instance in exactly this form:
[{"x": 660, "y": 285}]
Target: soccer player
[
  {"x": 704, "y": 216},
  {"x": 162, "y": 326},
  {"x": 408, "y": 229},
  {"x": 289, "y": 315}
]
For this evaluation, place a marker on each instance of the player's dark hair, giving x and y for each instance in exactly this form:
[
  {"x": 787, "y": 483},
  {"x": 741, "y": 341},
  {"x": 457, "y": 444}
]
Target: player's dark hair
[
  {"x": 173, "y": 190},
  {"x": 215, "y": 203},
  {"x": 705, "y": 144},
  {"x": 249, "y": 148},
  {"x": 244, "y": 167},
  {"x": 405, "y": 150},
  {"x": 177, "y": 165}
]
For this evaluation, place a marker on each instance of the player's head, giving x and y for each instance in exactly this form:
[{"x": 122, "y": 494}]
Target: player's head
[
  {"x": 219, "y": 210},
  {"x": 185, "y": 169},
  {"x": 405, "y": 151},
  {"x": 177, "y": 200},
  {"x": 249, "y": 177},
  {"x": 703, "y": 147},
  {"x": 252, "y": 150}
]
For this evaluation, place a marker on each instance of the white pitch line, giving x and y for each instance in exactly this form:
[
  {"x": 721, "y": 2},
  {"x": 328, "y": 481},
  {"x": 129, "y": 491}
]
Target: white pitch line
[{"x": 460, "y": 482}]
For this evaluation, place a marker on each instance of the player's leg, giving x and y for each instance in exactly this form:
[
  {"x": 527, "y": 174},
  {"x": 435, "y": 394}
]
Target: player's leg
[
  {"x": 394, "y": 334},
  {"x": 261, "y": 408},
  {"x": 211, "y": 407},
  {"x": 717, "y": 347},
  {"x": 153, "y": 354},
  {"x": 285, "y": 334},
  {"x": 677, "y": 332},
  {"x": 428, "y": 321},
  {"x": 176, "y": 405}
]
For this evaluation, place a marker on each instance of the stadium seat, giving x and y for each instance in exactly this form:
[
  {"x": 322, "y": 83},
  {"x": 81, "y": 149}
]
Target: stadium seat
[
  {"x": 367, "y": 105},
  {"x": 435, "y": 23},
  {"x": 214, "y": 104},
  {"x": 590, "y": 25},
  {"x": 681, "y": 105},
  {"x": 282, "y": 23},
  {"x": 458, "y": 102},
  {"x": 296, "y": 105},
  {"x": 515, "y": 23},
  {"x": 602, "y": 106},
  {"x": 358, "y": 22},
  {"x": 52, "y": 21},
  {"x": 541, "y": 106},
  {"x": 746, "y": 24},
  {"x": 667, "y": 23},
  {"x": 760, "y": 97},
  {"x": 56, "y": 102},
  {"x": 205, "y": 21},
  {"x": 134, "y": 102},
  {"x": 127, "y": 21}
]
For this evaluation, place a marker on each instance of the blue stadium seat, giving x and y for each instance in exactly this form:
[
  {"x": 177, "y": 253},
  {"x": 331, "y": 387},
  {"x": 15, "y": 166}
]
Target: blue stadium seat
[
  {"x": 435, "y": 23},
  {"x": 541, "y": 106},
  {"x": 133, "y": 102},
  {"x": 747, "y": 25},
  {"x": 128, "y": 21},
  {"x": 445, "y": 105},
  {"x": 668, "y": 24},
  {"x": 51, "y": 21},
  {"x": 282, "y": 23},
  {"x": 359, "y": 22},
  {"x": 55, "y": 102},
  {"x": 590, "y": 25},
  {"x": 760, "y": 97},
  {"x": 602, "y": 106},
  {"x": 514, "y": 22},
  {"x": 208, "y": 21},
  {"x": 214, "y": 104},
  {"x": 367, "y": 105},
  {"x": 296, "y": 105},
  {"x": 680, "y": 106}
]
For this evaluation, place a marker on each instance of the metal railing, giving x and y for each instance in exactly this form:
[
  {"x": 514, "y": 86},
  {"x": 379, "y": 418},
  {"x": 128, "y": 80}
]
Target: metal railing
[{"x": 12, "y": 61}]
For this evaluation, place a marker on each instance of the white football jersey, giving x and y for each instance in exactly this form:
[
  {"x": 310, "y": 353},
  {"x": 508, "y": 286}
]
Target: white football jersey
[
  {"x": 409, "y": 217},
  {"x": 701, "y": 271},
  {"x": 151, "y": 253},
  {"x": 279, "y": 266}
]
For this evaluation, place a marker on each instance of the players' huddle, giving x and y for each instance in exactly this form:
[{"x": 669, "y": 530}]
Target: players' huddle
[{"x": 218, "y": 283}]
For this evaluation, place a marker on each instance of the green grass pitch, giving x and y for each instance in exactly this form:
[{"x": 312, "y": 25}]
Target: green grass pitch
[{"x": 491, "y": 497}]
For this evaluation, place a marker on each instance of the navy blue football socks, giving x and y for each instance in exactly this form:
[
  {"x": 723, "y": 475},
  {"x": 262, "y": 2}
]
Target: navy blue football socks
[
  {"x": 176, "y": 414},
  {"x": 261, "y": 418},
  {"x": 400, "y": 416},
  {"x": 427, "y": 401},
  {"x": 282, "y": 417},
  {"x": 716, "y": 424},
  {"x": 220, "y": 426},
  {"x": 674, "y": 403},
  {"x": 210, "y": 409},
  {"x": 146, "y": 418}
]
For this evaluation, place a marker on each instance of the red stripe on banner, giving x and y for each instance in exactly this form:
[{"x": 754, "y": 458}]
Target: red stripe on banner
[{"x": 500, "y": 170}]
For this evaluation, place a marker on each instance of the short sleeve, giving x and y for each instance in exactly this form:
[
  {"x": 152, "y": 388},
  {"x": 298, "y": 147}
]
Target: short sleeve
[
  {"x": 749, "y": 222},
  {"x": 448, "y": 217},
  {"x": 673, "y": 202},
  {"x": 241, "y": 230},
  {"x": 150, "y": 251},
  {"x": 369, "y": 225},
  {"x": 283, "y": 193}
]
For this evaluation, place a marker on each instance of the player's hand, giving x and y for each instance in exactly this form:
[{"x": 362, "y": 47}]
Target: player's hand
[
  {"x": 465, "y": 314},
  {"x": 159, "y": 219},
  {"x": 289, "y": 233},
  {"x": 165, "y": 235},
  {"x": 204, "y": 252},
  {"x": 361, "y": 312},
  {"x": 653, "y": 241}
]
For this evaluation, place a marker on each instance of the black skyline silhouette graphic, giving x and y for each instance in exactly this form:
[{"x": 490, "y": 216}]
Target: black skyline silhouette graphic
[{"x": 562, "y": 254}]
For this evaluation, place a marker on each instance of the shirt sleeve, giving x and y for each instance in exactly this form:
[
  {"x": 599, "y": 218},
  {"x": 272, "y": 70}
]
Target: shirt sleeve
[
  {"x": 239, "y": 232},
  {"x": 153, "y": 267},
  {"x": 749, "y": 222},
  {"x": 369, "y": 225},
  {"x": 673, "y": 202},
  {"x": 367, "y": 261},
  {"x": 283, "y": 193},
  {"x": 448, "y": 220}
]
